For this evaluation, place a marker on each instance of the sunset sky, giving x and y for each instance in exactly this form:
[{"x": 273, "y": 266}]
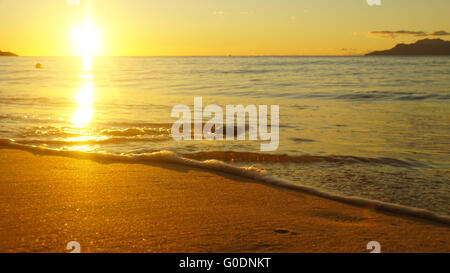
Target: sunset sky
[{"x": 218, "y": 27}]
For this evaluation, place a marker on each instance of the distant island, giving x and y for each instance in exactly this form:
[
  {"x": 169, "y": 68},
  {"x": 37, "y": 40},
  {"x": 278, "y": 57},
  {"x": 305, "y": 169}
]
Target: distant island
[
  {"x": 421, "y": 47},
  {"x": 7, "y": 53}
]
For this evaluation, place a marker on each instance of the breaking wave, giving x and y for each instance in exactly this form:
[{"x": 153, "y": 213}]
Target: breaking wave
[
  {"x": 231, "y": 156},
  {"x": 75, "y": 142}
]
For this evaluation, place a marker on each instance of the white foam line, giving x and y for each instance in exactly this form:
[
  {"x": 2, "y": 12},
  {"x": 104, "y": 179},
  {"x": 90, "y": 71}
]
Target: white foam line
[{"x": 248, "y": 172}]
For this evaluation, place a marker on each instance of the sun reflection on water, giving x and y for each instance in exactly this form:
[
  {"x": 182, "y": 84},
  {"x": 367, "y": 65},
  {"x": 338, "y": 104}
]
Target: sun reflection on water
[
  {"x": 85, "y": 101},
  {"x": 87, "y": 62},
  {"x": 84, "y": 111},
  {"x": 81, "y": 148}
]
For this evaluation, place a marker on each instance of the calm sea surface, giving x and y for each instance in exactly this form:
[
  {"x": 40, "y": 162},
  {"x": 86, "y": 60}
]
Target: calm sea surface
[{"x": 373, "y": 127}]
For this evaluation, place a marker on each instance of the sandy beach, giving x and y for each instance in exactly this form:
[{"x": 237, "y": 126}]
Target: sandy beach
[{"x": 47, "y": 201}]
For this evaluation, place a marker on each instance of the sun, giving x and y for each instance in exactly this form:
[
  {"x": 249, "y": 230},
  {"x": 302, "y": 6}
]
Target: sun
[{"x": 86, "y": 39}]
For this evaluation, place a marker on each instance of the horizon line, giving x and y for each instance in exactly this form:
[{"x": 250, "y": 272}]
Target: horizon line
[{"x": 352, "y": 55}]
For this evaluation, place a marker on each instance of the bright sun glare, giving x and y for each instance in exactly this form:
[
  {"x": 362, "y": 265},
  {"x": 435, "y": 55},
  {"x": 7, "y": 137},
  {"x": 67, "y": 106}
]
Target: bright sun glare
[
  {"x": 86, "y": 39},
  {"x": 87, "y": 43},
  {"x": 85, "y": 101}
]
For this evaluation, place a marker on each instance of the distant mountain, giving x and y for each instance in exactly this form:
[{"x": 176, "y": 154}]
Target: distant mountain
[
  {"x": 421, "y": 47},
  {"x": 7, "y": 53}
]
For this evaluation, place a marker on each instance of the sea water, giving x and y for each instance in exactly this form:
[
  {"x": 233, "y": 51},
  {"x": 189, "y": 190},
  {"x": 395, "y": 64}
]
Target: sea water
[{"x": 370, "y": 127}]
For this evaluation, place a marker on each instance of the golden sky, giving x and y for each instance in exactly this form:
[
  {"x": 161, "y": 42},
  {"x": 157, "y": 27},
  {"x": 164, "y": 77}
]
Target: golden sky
[{"x": 217, "y": 27}]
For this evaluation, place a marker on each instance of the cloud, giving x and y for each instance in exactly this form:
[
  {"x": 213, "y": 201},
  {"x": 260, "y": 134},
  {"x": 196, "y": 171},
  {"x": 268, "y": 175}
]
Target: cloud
[
  {"x": 393, "y": 34},
  {"x": 439, "y": 33}
]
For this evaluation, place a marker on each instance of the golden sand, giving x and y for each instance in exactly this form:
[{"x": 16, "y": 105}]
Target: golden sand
[{"x": 47, "y": 201}]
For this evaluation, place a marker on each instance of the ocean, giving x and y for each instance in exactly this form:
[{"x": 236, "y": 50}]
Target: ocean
[{"x": 377, "y": 128}]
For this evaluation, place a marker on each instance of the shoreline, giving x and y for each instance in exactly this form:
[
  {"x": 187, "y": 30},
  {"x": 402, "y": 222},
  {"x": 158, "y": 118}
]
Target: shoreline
[
  {"x": 255, "y": 174},
  {"x": 49, "y": 200}
]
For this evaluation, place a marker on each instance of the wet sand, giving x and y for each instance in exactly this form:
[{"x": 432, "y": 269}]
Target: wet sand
[{"x": 47, "y": 201}]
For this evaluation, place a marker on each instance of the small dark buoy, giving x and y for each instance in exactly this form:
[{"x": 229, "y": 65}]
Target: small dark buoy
[{"x": 38, "y": 66}]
